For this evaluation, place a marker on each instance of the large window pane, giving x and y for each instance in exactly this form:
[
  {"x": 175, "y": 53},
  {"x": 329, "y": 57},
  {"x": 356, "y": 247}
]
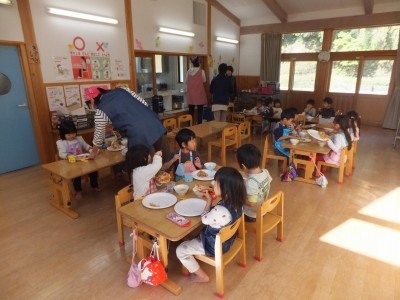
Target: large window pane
[
  {"x": 364, "y": 39},
  {"x": 304, "y": 75},
  {"x": 284, "y": 75},
  {"x": 376, "y": 77},
  {"x": 344, "y": 76},
  {"x": 305, "y": 42}
]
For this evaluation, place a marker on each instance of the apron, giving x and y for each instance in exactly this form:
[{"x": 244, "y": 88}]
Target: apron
[
  {"x": 278, "y": 144},
  {"x": 186, "y": 167},
  {"x": 75, "y": 148}
]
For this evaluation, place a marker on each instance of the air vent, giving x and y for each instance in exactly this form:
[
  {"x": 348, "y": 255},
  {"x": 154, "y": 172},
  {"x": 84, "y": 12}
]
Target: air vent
[{"x": 199, "y": 13}]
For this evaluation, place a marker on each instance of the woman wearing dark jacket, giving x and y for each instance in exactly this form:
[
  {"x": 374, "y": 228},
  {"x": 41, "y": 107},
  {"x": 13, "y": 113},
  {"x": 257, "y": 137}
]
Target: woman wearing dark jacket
[{"x": 221, "y": 88}]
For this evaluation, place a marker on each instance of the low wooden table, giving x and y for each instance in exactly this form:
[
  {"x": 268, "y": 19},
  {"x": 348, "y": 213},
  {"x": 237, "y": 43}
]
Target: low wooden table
[
  {"x": 62, "y": 172},
  {"x": 154, "y": 223},
  {"x": 207, "y": 129},
  {"x": 310, "y": 149}
]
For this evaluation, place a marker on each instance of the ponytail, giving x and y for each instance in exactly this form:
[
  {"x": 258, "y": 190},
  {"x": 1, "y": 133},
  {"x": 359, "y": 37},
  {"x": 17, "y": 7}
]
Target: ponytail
[{"x": 343, "y": 121}]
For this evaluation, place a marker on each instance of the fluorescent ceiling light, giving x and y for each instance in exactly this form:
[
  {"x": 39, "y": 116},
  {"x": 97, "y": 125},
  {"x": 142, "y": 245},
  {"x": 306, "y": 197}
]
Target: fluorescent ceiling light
[
  {"x": 6, "y": 2},
  {"x": 77, "y": 15},
  {"x": 231, "y": 41},
  {"x": 178, "y": 32}
]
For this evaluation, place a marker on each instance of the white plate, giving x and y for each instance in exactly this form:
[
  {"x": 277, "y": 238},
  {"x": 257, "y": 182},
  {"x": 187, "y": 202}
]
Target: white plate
[
  {"x": 116, "y": 149},
  {"x": 305, "y": 140},
  {"x": 209, "y": 173},
  {"x": 315, "y": 135},
  {"x": 159, "y": 200},
  {"x": 191, "y": 207}
]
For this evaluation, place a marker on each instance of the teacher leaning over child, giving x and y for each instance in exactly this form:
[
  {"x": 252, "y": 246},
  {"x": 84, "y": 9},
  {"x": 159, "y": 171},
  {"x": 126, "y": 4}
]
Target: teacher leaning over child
[{"x": 128, "y": 113}]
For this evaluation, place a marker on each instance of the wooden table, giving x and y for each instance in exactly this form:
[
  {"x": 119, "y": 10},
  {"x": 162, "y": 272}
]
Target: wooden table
[
  {"x": 207, "y": 129},
  {"x": 310, "y": 149},
  {"x": 154, "y": 223},
  {"x": 62, "y": 172}
]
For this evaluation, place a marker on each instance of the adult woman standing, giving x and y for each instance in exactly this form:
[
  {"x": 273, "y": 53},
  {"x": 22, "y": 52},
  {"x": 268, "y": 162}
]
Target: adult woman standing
[
  {"x": 221, "y": 89},
  {"x": 195, "y": 92}
]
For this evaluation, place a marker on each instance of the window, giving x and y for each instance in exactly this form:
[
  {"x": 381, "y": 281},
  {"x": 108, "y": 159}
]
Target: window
[
  {"x": 344, "y": 76},
  {"x": 305, "y": 42},
  {"x": 304, "y": 75},
  {"x": 376, "y": 77},
  {"x": 181, "y": 69},
  {"x": 284, "y": 75},
  {"x": 365, "y": 39}
]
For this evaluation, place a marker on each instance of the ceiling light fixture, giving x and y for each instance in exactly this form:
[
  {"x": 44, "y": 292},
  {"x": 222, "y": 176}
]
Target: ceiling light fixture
[
  {"x": 178, "y": 32},
  {"x": 6, "y": 2},
  {"x": 225, "y": 40},
  {"x": 78, "y": 15}
]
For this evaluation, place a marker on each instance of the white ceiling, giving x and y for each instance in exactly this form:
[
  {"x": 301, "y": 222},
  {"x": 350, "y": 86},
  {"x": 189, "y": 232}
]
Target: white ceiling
[{"x": 256, "y": 12}]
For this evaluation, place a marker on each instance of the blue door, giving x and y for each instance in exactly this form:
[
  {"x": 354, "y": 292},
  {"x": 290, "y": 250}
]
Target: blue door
[{"x": 18, "y": 146}]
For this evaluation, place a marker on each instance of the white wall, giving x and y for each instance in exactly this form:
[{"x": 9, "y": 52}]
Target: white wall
[
  {"x": 149, "y": 15},
  {"x": 55, "y": 33},
  {"x": 250, "y": 55},
  {"x": 10, "y": 24},
  {"x": 223, "y": 52}
]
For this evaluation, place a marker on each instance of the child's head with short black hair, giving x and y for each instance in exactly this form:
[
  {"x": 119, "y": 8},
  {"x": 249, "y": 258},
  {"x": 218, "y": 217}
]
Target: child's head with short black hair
[
  {"x": 137, "y": 156},
  {"x": 269, "y": 102},
  {"x": 277, "y": 103},
  {"x": 328, "y": 102},
  {"x": 67, "y": 127},
  {"x": 311, "y": 102},
  {"x": 287, "y": 116},
  {"x": 248, "y": 156},
  {"x": 186, "y": 139}
]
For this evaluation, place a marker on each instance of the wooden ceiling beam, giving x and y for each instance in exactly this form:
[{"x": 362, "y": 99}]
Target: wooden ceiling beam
[
  {"x": 382, "y": 19},
  {"x": 368, "y": 6},
  {"x": 223, "y": 10},
  {"x": 277, "y": 10}
]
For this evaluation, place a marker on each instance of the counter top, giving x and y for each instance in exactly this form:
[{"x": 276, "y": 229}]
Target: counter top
[{"x": 161, "y": 93}]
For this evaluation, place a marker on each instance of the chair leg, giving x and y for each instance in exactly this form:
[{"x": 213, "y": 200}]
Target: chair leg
[
  {"x": 219, "y": 277},
  {"x": 209, "y": 152},
  {"x": 223, "y": 150},
  {"x": 259, "y": 238},
  {"x": 340, "y": 175},
  {"x": 279, "y": 231},
  {"x": 121, "y": 240}
]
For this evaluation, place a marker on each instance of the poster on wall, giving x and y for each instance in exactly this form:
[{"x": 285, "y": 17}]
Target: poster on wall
[
  {"x": 81, "y": 65},
  {"x": 101, "y": 67},
  {"x": 62, "y": 68},
  {"x": 119, "y": 70},
  {"x": 55, "y": 98},
  {"x": 72, "y": 96}
]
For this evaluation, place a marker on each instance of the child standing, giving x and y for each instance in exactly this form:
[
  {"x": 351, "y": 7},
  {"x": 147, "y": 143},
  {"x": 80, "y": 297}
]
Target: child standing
[
  {"x": 310, "y": 110},
  {"x": 327, "y": 110},
  {"x": 258, "y": 182},
  {"x": 283, "y": 129},
  {"x": 143, "y": 169},
  {"x": 72, "y": 144},
  {"x": 338, "y": 142},
  {"x": 229, "y": 187},
  {"x": 186, "y": 159},
  {"x": 355, "y": 123}
]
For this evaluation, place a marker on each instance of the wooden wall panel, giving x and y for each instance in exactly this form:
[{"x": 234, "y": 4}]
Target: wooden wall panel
[
  {"x": 247, "y": 82},
  {"x": 296, "y": 99}
]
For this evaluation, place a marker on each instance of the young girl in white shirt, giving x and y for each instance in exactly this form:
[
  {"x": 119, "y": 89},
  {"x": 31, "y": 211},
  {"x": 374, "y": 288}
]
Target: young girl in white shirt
[
  {"x": 355, "y": 123},
  {"x": 144, "y": 169},
  {"x": 230, "y": 189}
]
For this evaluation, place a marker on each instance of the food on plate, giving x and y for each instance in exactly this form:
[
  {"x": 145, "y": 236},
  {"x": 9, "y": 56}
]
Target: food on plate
[
  {"x": 163, "y": 177},
  {"x": 201, "y": 173},
  {"x": 323, "y": 135},
  {"x": 203, "y": 188},
  {"x": 116, "y": 145},
  {"x": 153, "y": 204}
]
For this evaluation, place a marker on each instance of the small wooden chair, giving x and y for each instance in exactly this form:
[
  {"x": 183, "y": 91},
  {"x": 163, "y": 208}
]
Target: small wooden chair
[
  {"x": 219, "y": 261},
  {"x": 269, "y": 154},
  {"x": 350, "y": 160},
  {"x": 124, "y": 196},
  {"x": 185, "y": 119},
  {"x": 301, "y": 119},
  {"x": 244, "y": 132},
  {"x": 238, "y": 118},
  {"x": 229, "y": 138},
  {"x": 266, "y": 220},
  {"x": 257, "y": 122},
  {"x": 341, "y": 166},
  {"x": 170, "y": 124},
  {"x": 355, "y": 145}
]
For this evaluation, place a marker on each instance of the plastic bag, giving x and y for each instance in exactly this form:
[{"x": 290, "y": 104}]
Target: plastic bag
[
  {"x": 134, "y": 274},
  {"x": 152, "y": 269},
  {"x": 290, "y": 174},
  {"x": 321, "y": 180}
]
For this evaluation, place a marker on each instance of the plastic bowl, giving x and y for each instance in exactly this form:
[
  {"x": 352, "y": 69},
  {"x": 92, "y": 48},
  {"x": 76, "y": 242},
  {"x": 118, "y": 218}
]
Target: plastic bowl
[
  {"x": 181, "y": 189},
  {"x": 294, "y": 141},
  {"x": 321, "y": 143},
  {"x": 197, "y": 193},
  {"x": 210, "y": 165},
  {"x": 303, "y": 134}
]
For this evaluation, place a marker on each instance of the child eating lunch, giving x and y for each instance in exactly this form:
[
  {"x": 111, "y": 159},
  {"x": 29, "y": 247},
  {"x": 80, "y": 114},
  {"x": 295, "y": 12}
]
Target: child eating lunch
[
  {"x": 258, "y": 182},
  {"x": 229, "y": 187},
  {"x": 71, "y": 144},
  {"x": 283, "y": 129},
  {"x": 186, "y": 159},
  {"x": 144, "y": 169}
]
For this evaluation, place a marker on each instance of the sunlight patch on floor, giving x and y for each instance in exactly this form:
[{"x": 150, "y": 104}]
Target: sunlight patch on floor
[
  {"x": 385, "y": 208},
  {"x": 375, "y": 241}
]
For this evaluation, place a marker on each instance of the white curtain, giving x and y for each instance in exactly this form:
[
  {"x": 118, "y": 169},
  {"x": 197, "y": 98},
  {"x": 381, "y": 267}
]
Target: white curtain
[
  {"x": 392, "y": 114},
  {"x": 270, "y": 56}
]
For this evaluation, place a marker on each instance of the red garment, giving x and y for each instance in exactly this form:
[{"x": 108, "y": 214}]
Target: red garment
[{"x": 196, "y": 94}]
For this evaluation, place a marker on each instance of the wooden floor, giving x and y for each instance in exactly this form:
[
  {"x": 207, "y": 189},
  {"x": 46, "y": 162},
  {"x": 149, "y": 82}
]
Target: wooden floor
[{"x": 335, "y": 245}]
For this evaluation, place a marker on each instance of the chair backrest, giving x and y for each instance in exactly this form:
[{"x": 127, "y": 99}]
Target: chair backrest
[
  {"x": 257, "y": 119},
  {"x": 229, "y": 132},
  {"x": 244, "y": 128},
  {"x": 270, "y": 203},
  {"x": 265, "y": 151},
  {"x": 238, "y": 118},
  {"x": 301, "y": 119},
  {"x": 184, "y": 119},
  {"x": 170, "y": 124},
  {"x": 228, "y": 231},
  {"x": 124, "y": 196}
]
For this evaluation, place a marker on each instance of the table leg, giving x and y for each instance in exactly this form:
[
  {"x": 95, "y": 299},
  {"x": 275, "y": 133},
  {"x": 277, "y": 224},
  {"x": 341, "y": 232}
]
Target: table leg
[{"x": 61, "y": 198}]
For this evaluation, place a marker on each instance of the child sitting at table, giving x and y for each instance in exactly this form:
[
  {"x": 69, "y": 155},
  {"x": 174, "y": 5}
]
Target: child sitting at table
[
  {"x": 277, "y": 109},
  {"x": 267, "y": 114},
  {"x": 327, "y": 111},
  {"x": 229, "y": 187},
  {"x": 355, "y": 123},
  {"x": 111, "y": 136},
  {"x": 338, "y": 142},
  {"x": 258, "y": 109},
  {"x": 144, "y": 169},
  {"x": 283, "y": 128},
  {"x": 310, "y": 110},
  {"x": 186, "y": 159},
  {"x": 71, "y": 144},
  {"x": 258, "y": 181}
]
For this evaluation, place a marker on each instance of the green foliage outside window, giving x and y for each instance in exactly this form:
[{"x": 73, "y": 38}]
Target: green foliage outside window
[{"x": 305, "y": 42}]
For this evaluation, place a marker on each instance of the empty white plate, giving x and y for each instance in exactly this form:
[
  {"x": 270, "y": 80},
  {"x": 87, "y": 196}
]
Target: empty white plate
[{"x": 190, "y": 207}]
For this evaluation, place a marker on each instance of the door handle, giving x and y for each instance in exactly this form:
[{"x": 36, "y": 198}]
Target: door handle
[{"x": 23, "y": 105}]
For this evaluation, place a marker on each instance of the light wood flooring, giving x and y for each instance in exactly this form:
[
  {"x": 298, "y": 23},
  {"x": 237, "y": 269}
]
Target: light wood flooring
[{"x": 331, "y": 249}]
